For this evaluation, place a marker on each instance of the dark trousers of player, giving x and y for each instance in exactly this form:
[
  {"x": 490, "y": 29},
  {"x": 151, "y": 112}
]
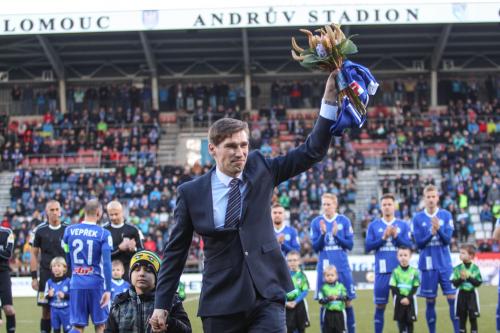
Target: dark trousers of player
[
  {"x": 334, "y": 322},
  {"x": 467, "y": 308},
  {"x": 265, "y": 316},
  {"x": 296, "y": 318},
  {"x": 6, "y": 299}
]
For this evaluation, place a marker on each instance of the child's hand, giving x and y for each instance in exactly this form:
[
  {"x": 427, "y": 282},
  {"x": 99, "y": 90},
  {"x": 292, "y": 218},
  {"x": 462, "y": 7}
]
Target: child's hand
[
  {"x": 51, "y": 292},
  {"x": 463, "y": 275},
  {"x": 405, "y": 301},
  {"x": 60, "y": 295},
  {"x": 291, "y": 305},
  {"x": 332, "y": 298}
]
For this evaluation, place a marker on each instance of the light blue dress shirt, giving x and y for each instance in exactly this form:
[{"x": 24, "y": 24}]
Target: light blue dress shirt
[{"x": 220, "y": 194}]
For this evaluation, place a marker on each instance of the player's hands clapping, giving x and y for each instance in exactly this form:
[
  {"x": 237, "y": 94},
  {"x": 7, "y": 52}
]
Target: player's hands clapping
[
  {"x": 281, "y": 238},
  {"x": 335, "y": 228},
  {"x": 464, "y": 275},
  {"x": 435, "y": 225},
  {"x": 387, "y": 233},
  {"x": 322, "y": 227}
]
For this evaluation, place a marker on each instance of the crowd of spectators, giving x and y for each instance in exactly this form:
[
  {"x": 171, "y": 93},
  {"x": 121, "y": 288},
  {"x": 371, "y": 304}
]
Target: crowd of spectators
[{"x": 115, "y": 133}]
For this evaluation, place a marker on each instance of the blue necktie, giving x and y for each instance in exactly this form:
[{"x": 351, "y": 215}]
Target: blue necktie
[{"x": 233, "y": 205}]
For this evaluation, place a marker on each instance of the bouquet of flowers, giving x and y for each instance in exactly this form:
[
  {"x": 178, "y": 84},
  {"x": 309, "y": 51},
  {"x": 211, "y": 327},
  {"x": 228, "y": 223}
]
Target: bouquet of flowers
[{"x": 328, "y": 51}]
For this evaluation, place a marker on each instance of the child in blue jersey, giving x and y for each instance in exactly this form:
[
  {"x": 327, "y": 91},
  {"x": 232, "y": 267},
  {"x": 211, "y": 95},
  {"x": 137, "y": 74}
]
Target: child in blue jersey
[
  {"x": 332, "y": 236},
  {"x": 496, "y": 236},
  {"x": 286, "y": 235},
  {"x": 118, "y": 284},
  {"x": 57, "y": 295},
  {"x": 432, "y": 229},
  {"x": 384, "y": 236},
  {"x": 88, "y": 247}
]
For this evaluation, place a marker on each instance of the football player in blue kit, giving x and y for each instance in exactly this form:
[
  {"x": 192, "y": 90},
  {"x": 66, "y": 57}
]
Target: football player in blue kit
[
  {"x": 88, "y": 247},
  {"x": 286, "y": 235},
  {"x": 384, "y": 236},
  {"x": 332, "y": 236},
  {"x": 432, "y": 229}
]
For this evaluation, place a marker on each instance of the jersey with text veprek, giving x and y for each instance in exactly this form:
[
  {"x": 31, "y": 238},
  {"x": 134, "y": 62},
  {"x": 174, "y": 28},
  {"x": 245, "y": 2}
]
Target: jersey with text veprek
[{"x": 84, "y": 243}]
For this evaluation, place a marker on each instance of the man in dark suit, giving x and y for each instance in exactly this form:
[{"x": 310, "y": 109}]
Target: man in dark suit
[{"x": 245, "y": 277}]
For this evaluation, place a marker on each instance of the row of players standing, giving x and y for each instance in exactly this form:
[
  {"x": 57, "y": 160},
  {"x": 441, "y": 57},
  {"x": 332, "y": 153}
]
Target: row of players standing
[{"x": 332, "y": 237}]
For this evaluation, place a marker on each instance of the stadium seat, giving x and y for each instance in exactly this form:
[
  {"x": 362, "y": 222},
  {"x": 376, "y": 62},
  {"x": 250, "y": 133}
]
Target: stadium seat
[
  {"x": 488, "y": 227},
  {"x": 480, "y": 235},
  {"x": 474, "y": 210}
]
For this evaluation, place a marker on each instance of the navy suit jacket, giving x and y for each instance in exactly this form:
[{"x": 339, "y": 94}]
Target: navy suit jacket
[{"x": 245, "y": 261}]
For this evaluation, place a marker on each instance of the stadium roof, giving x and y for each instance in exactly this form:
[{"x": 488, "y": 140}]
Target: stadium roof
[{"x": 201, "y": 52}]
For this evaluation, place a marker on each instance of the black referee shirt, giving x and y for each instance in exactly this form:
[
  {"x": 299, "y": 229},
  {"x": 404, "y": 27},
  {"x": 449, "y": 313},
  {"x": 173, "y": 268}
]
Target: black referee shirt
[
  {"x": 48, "y": 239},
  {"x": 126, "y": 230},
  {"x": 6, "y": 247}
]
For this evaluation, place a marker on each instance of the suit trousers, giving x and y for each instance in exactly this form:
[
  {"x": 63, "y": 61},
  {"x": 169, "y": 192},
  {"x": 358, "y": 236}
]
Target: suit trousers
[{"x": 266, "y": 316}]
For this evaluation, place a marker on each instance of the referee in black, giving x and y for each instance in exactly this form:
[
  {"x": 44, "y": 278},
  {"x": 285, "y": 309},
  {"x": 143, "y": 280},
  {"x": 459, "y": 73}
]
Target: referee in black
[
  {"x": 127, "y": 239},
  {"x": 46, "y": 243},
  {"x": 6, "y": 249}
]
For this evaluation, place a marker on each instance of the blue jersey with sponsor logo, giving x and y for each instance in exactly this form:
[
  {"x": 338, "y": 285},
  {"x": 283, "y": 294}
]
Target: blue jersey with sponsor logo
[
  {"x": 434, "y": 249},
  {"x": 386, "y": 259},
  {"x": 85, "y": 243},
  {"x": 118, "y": 287},
  {"x": 59, "y": 286},
  {"x": 333, "y": 249},
  {"x": 291, "y": 241}
]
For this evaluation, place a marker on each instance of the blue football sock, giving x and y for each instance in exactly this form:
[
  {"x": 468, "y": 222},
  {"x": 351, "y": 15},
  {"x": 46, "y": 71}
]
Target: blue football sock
[
  {"x": 379, "y": 319},
  {"x": 430, "y": 315},
  {"x": 454, "y": 320},
  {"x": 498, "y": 314},
  {"x": 351, "y": 323}
]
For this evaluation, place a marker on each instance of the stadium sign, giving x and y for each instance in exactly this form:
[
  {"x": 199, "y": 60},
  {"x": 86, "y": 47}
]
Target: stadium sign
[{"x": 171, "y": 19}]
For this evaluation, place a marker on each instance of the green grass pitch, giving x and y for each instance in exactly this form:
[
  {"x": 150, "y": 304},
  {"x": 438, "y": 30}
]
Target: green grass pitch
[{"x": 28, "y": 314}]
